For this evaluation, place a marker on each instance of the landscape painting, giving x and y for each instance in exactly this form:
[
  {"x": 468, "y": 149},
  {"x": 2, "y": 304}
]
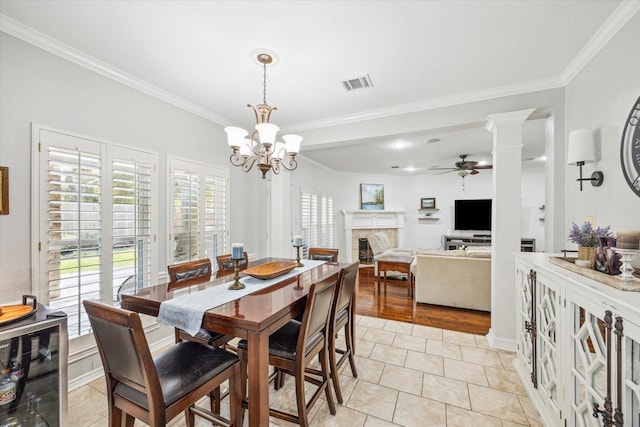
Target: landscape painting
[{"x": 371, "y": 196}]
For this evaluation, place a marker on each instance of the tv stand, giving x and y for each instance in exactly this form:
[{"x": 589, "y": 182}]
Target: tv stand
[{"x": 454, "y": 242}]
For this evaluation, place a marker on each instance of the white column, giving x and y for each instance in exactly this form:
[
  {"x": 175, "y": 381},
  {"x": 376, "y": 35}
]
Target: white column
[
  {"x": 280, "y": 224},
  {"x": 505, "y": 224},
  {"x": 554, "y": 225}
]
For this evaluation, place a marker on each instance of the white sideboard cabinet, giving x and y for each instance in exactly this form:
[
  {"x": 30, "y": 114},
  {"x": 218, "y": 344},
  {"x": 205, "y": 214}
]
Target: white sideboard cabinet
[{"x": 578, "y": 346}]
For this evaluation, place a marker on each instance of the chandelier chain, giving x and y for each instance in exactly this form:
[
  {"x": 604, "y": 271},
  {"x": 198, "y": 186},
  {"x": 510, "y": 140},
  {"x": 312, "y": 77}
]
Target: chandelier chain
[{"x": 264, "y": 84}]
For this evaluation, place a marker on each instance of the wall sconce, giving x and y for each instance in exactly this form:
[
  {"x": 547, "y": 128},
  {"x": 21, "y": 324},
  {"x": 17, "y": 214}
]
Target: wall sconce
[{"x": 582, "y": 151}]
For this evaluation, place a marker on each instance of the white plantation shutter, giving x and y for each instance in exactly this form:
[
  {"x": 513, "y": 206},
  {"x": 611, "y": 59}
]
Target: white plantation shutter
[
  {"x": 215, "y": 218},
  {"x": 74, "y": 230},
  {"x": 132, "y": 234},
  {"x": 199, "y": 212},
  {"x": 316, "y": 219},
  {"x": 185, "y": 216},
  {"x": 92, "y": 220}
]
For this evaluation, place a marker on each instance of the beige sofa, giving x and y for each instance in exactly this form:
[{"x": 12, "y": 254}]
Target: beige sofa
[{"x": 460, "y": 278}]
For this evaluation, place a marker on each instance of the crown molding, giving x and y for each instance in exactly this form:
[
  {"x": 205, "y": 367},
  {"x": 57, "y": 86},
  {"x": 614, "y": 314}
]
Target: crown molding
[
  {"x": 51, "y": 45},
  {"x": 431, "y": 104},
  {"x": 623, "y": 13}
]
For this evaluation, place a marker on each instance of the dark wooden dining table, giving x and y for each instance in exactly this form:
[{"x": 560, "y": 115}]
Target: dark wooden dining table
[{"x": 252, "y": 317}]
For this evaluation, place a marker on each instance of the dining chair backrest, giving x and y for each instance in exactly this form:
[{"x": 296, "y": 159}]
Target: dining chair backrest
[
  {"x": 189, "y": 273},
  {"x": 226, "y": 265},
  {"x": 323, "y": 254},
  {"x": 315, "y": 320},
  {"x": 124, "y": 349},
  {"x": 346, "y": 288}
]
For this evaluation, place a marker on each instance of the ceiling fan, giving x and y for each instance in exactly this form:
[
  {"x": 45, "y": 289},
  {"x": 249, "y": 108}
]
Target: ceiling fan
[{"x": 464, "y": 167}]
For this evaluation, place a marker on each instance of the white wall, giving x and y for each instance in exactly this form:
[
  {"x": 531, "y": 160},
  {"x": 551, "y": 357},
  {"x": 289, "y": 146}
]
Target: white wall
[
  {"x": 41, "y": 87},
  {"x": 404, "y": 193},
  {"x": 600, "y": 97}
]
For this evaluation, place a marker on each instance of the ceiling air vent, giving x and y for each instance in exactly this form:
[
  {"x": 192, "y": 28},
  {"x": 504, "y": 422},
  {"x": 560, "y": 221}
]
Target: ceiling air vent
[{"x": 357, "y": 83}]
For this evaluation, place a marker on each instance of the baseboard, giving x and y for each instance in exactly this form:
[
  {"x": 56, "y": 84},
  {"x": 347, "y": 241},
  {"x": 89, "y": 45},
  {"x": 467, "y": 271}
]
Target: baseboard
[{"x": 501, "y": 343}]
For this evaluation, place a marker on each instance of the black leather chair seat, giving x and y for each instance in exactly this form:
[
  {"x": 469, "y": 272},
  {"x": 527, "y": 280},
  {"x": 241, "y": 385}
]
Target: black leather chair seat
[
  {"x": 207, "y": 336},
  {"x": 322, "y": 257},
  {"x": 196, "y": 363},
  {"x": 342, "y": 317},
  {"x": 282, "y": 343}
]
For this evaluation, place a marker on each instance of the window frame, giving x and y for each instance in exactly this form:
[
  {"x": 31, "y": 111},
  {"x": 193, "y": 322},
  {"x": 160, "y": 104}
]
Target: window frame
[
  {"x": 39, "y": 216},
  {"x": 203, "y": 170}
]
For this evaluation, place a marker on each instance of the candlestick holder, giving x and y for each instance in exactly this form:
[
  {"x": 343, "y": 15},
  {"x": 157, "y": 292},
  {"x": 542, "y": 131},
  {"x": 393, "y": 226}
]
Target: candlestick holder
[
  {"x": 299, "y": 264},
  {"x": 236, "y": 275},
  {"x": 627, "y": 269}
]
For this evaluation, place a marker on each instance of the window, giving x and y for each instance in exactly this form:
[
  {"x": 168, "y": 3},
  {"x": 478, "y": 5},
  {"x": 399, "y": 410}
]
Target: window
[
  {"x": 316, "y": 220},
  {"x": 199, "y": 211},
  {"x": 93, "y": 219}
]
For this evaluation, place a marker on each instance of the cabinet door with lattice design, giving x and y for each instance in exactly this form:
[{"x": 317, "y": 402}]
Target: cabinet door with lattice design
[
  {"x": 630, "y": 375},
  {"x": 548, "y": 328},
  {"x": 525, "y": 356},
  {"x": 590, "y": 349}
]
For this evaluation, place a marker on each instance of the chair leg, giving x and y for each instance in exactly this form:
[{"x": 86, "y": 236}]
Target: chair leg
[
  {"x": 115, "y": 417},
  {"x": 129, "y": 420},
  {"x": 300, "y": 396},
  {"x": 350, "y": 348},
  {"x": 190, "y": 418},
  {"x": 334, "y": 368},
  {"x": 236, "y": 396},
  {"x": 242, "y": 355},
  {"x": 324, "y": 363},
  {"x": 214, "y": 398}
]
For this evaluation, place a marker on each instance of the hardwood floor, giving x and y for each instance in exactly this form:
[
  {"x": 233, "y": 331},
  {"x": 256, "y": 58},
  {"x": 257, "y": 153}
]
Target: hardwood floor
[{"x": 392, "y": 301}]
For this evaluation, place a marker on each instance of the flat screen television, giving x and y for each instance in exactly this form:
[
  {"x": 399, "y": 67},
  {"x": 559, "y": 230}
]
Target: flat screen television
[{"x": 472, "y": 215}]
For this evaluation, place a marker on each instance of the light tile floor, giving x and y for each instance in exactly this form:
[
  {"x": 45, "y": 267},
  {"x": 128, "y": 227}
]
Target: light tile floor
[{"x": 408, "y": 375}]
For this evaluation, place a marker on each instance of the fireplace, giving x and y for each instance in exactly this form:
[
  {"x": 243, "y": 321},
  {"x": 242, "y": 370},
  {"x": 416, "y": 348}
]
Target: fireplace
[
  {"x": 365, "y": 255},
  {"x": 358, "y": 224}
]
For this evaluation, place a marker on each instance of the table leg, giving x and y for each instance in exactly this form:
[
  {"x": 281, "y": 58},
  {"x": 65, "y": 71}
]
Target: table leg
[{"x": 258, "y": 373}]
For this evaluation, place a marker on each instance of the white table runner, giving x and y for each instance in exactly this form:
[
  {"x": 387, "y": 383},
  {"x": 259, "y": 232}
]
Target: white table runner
[{"x": 186, "y": 311}]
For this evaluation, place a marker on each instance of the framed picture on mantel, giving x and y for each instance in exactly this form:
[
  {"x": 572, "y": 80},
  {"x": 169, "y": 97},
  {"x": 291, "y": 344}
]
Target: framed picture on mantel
[
  {"x": 372, "y": 196},
  {"x": 428, "y": 203}
]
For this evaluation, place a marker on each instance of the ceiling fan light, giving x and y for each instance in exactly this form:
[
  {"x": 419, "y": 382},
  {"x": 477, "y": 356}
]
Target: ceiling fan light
[
  {"x": 462, "y": 173},
  {"x": 292, "y": 143}
]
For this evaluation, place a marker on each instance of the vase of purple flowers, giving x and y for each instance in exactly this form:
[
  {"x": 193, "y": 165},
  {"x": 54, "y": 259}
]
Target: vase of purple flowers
[{"x": 587, "y": 238}]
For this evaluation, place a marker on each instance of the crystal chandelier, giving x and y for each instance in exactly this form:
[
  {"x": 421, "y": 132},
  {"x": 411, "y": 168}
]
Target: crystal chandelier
[{"x": 264, "y": 150}]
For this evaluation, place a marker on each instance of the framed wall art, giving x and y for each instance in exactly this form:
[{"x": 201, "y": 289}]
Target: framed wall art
[
  {"x": 428, "y": 203},
  {"x": 4, "y": 190},
  {"x": 372, "y": 196}
]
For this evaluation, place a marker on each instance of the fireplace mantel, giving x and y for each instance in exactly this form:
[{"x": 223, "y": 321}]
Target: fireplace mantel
[{"x": 372, "y": 220}]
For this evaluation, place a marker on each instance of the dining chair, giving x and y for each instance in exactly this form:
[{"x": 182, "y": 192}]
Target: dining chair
[
  {"x": 156, "y": 389},
  {"x": 188, "y": 274},
  {"x": 342, "y": 316},
  {"x": 226, "y": 266},
  {"x": 294, "y": 347},
  {"x": 323, "y": 254}
]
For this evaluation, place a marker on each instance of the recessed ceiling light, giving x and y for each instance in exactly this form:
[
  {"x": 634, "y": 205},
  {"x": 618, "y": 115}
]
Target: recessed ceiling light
[
  {"x": 482, "y": 162},
  {"x": 432, "y": 140},
  {"x": 399, "y": 145},
  {"x": 410, "y": 169},
  {"x": 543, "y": 158}
]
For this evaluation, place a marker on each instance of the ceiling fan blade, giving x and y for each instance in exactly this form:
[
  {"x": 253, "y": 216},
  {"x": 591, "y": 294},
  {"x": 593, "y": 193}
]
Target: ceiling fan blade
[
  {"x": 484, "y": 167},
  {"x": 437, "y": 168},
  {"x": 474, "y": 172},
  {"x": 449, "y": 171},
  {"x": 469, "y": 165}
]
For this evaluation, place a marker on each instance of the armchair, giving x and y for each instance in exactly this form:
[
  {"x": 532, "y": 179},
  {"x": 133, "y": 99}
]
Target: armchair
[{"x": 380, "y": 246}]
